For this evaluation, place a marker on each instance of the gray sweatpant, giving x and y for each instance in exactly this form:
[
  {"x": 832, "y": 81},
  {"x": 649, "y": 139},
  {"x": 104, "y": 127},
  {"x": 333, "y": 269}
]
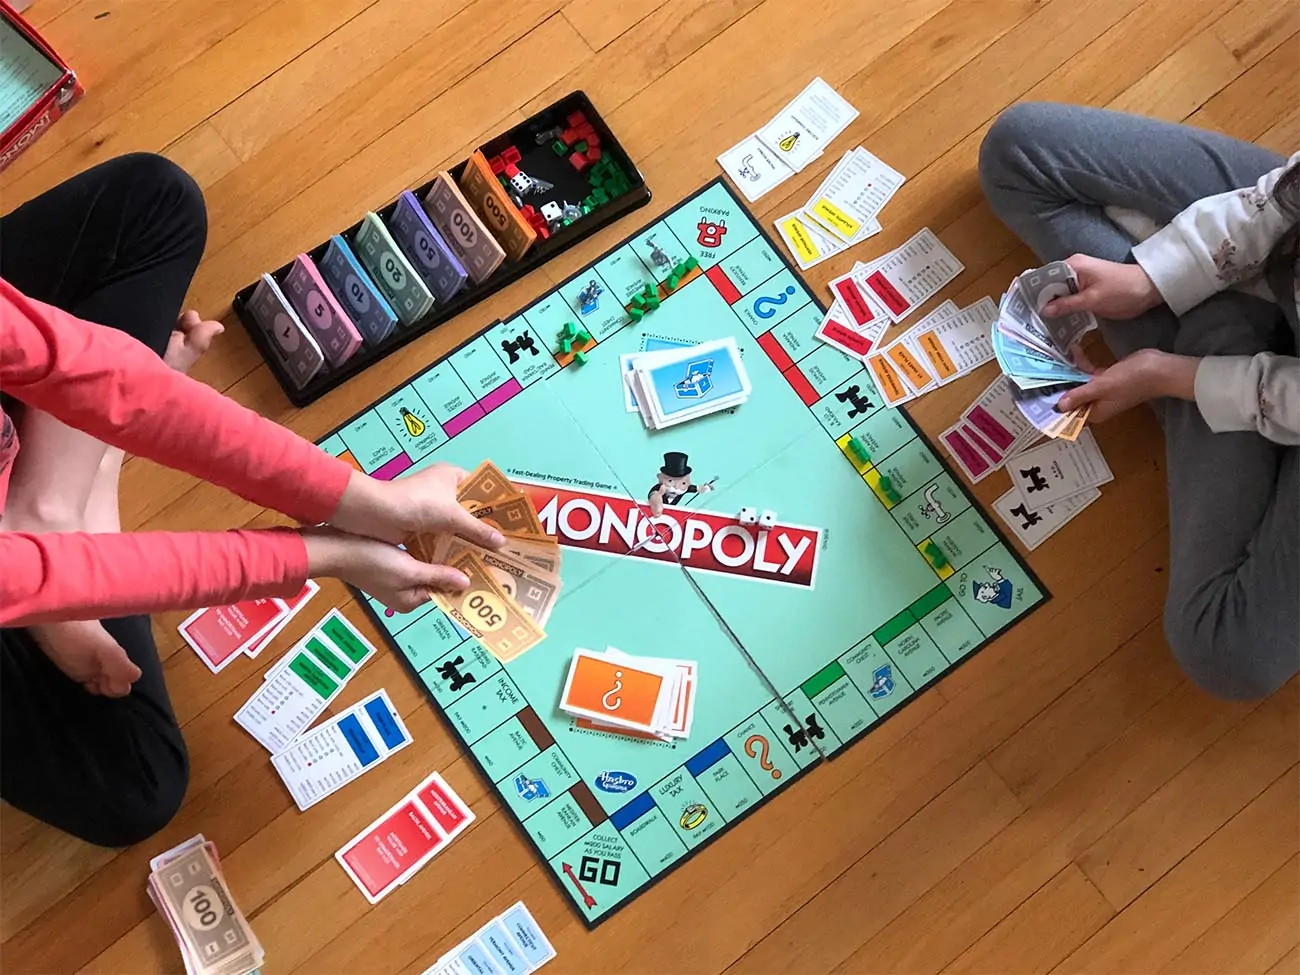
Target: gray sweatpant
[{"x": 1232, "y": 615}]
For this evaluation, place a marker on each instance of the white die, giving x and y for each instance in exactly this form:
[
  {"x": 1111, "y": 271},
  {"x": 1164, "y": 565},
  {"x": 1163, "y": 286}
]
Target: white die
[
  {"x": 748, "y": 516},
  {"x": 522, "y": 182},
  {"x": 767, "y": 519},
  {"x": 551, "y": 211}
]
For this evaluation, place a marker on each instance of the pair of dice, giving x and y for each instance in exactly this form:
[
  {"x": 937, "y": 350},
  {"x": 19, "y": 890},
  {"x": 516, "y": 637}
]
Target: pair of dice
[{"x": 750, "y": 516}]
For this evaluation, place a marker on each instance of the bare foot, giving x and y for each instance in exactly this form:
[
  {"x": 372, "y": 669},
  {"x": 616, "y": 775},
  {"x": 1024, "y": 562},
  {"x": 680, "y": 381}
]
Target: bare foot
[{"x": 190, "y": 339}]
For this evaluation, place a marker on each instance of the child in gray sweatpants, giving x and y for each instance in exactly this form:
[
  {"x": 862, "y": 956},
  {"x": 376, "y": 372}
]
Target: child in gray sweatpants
[{"x": 1184, "y": 242}]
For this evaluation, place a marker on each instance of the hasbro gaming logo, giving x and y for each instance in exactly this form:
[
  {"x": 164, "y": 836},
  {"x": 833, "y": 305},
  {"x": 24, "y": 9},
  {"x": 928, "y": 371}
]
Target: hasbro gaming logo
[{"x": 616, "y": 782}]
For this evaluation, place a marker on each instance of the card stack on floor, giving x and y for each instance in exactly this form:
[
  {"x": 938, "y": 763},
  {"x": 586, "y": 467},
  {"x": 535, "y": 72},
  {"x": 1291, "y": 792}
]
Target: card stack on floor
[
  {"x": 1050, "y": 484},
  {"x": 652, "y": 695},
  {"x": 1035, "y": 351},
  {"x": 331, "y": 755},
  {"x": 842, "y": 211},
  {"x": 221, "y": 634},
  {"x": 870, "y": 297},
  {"x": 509, "y": 944},
  {"x": 299, "y": 686},
  {"x": 190, "y": 892},
  {"x": 512, "y": 590},
  {"x": 797, "y": 135},
  {"x": 388, "y": 852},
  {"x": 672, "y": 386}
]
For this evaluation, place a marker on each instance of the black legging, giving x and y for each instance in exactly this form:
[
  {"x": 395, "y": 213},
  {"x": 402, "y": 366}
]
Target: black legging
[{"x": 117, "y": 245}]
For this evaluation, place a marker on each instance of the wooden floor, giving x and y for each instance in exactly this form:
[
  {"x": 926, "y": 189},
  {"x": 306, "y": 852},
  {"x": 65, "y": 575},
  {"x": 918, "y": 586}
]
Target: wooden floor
[{"x": 1064, "y": 802}]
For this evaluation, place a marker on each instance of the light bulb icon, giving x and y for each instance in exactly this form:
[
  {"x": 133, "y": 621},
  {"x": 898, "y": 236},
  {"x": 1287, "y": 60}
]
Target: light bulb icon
[{"x": 414, "y": 425}]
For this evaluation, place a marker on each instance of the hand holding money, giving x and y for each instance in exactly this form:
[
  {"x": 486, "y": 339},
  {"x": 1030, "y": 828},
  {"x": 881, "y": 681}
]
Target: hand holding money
[
  {"x": 423, "y": 502},
  {"x": 1115, "y": 291},
  {"x": 513, "y": 589}
]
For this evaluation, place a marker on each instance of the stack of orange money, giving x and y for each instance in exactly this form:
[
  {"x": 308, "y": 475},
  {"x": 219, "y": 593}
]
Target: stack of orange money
[{"x": 512, "y": 590}]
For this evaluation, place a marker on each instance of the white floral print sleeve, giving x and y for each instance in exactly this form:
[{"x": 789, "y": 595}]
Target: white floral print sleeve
[{"x": 1215, "y": 243}]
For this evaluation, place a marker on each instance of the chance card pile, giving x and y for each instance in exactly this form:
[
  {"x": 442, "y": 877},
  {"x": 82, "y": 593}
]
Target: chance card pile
[{"x": 652, "y": 695}]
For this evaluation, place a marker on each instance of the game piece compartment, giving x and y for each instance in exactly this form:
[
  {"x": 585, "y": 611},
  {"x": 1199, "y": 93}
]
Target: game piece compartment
[{"x": 537, "y": 160}]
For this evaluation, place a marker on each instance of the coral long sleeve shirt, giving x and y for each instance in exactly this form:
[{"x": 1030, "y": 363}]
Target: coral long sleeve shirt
[{"x": 105, "y": 383}]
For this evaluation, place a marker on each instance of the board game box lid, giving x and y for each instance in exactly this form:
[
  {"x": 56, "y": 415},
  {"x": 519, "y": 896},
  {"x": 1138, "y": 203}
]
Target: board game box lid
[{"x": 36, "y": 86}]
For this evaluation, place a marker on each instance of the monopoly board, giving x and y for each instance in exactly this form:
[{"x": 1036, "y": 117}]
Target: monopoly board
[{"x": 807, "y": 633}]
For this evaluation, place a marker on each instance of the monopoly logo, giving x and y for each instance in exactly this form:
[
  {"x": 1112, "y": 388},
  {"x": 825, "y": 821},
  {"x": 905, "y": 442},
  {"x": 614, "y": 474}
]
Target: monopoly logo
[
  {"x": 615, "y": 782},
  {"x": 700, "y": 539}
]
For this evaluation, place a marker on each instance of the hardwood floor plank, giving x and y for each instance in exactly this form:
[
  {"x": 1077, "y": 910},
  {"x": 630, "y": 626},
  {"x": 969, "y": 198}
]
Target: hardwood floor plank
[
  {"x": 1259, "y": 98},
  {"x": 203, "y": 153},
  {"x": 1188, "y": 900},
  {"x": 368, "y": 43},
  {"x": 876, "y": 888},
  {"x": 599, "y": 23},
  {"x": 232, "y": 59},
  {"x": 1197, "y": 802},
  {"x": 1184, "y": 81},
  {"x": 1288, "y": 964},
  {"x": 1254, "y": 935},
  {"x": 986, "y": 888},
  {"x": 1089, "y": 716},
  {"x": 1283, "y": 136},
  {"x": 1044, "y": 929},
  {"x": 1254, "y": 28}
]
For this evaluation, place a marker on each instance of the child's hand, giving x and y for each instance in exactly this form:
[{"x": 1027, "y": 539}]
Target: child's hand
[
  {"x": 1145, "y": 375},
  {"x": 1114, "y": 291},
  {"x": 378, "y": 569},
  {"x": 423, "y": 502}
]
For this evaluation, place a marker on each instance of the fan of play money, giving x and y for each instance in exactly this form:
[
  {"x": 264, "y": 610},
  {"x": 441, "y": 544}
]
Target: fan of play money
[
  {"x": 1034, "y": 351},
  {"x": 512, "y": 590}
]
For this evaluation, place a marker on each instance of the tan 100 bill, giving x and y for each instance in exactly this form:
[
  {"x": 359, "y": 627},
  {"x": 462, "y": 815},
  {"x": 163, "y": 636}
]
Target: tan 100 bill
[
  {"x": 543, "y": 554},
  {"x": 484, "y": 486},
  {"x": 492, "y": 617},
  {"x": 534, "y": 590},
  {"x": 211, "y": 929},
  {"x": 513, "y": 516}
]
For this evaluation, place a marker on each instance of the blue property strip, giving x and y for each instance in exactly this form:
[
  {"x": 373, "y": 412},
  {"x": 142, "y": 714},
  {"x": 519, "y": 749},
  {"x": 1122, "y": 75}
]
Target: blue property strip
[
  {"x": 633, "y": 811},
  {"x": 356, "y": 736},
  {"x": 707, "y": 758}
]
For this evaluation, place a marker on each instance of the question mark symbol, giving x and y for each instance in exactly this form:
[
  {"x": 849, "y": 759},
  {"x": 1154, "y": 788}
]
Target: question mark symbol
[
  {"x": 765, "y": 307},
  {"x": 605, "y": 701},
  {"x": 764, "y": 761}
]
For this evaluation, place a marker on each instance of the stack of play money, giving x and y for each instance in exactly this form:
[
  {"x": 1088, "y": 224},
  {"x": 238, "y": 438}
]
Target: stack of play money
[
  {"x": 187, "y": 887},
  {"x": 512, "y": 590},
  {"x": 1034, "y": 351}
]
